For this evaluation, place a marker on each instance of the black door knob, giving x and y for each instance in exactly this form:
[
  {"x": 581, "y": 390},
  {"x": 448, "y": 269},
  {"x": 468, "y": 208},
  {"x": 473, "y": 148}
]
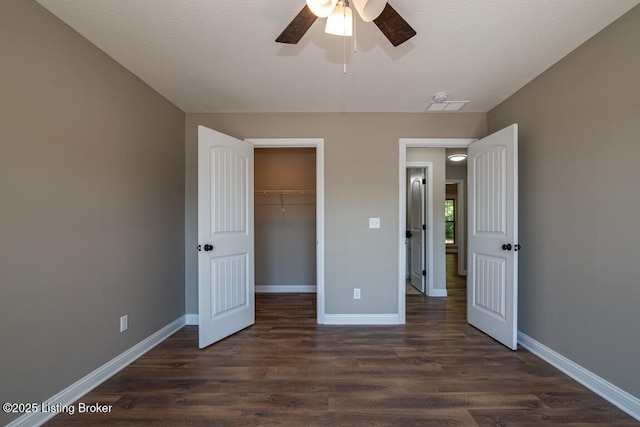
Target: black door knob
[
  {"x": 208, "y": 248},
  {"x": 505, "y": 247}
]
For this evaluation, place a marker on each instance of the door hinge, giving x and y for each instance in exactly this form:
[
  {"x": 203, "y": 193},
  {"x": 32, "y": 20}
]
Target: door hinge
[
  {"x": 424, "y": 272},
  {"x": 424, "y": 181},
  {"x": 424, "y": 226}
]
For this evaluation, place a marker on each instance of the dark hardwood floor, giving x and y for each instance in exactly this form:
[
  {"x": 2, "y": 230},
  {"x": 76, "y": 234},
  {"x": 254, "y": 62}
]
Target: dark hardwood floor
[{"x": 288, "y": 371}]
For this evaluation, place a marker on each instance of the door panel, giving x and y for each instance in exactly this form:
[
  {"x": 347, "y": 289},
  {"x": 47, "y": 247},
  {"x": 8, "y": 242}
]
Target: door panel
[
  {"x": 418, "y": 258},
  {"x": 492, "y": 282},
  {"x": 228, "y": 190},
  {"x": 225, "y": 235}
]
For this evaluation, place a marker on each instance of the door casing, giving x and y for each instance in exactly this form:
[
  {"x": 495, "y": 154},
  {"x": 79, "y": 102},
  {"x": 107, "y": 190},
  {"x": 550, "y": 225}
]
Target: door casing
[
  {"x": 405, "y": 143},
  {"x": 318, "y": 144}
]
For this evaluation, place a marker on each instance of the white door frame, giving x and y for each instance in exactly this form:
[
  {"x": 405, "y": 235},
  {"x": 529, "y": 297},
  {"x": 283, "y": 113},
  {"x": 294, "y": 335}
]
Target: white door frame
[
  {"x": 318, "y": 144},
  {"x": 405, "y": 143},
  {"x": 427, "y": 167},
  {"x": 460, "y": 224}
]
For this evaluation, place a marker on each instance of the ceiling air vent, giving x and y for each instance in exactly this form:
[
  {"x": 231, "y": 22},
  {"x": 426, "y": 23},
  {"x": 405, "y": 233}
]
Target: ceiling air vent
[{"x": 441, "y": 103}]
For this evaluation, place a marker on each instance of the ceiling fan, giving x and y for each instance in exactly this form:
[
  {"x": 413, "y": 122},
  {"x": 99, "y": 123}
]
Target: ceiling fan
[{"x": 340, "y": 20}]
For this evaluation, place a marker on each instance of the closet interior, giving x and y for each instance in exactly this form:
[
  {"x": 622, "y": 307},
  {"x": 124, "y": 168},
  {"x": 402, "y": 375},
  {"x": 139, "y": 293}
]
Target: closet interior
[{"x": 285, "y": 219}]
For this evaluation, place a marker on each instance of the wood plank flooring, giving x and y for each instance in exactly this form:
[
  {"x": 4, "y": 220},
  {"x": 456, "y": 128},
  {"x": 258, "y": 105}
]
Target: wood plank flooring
[{"x": 288, "y": 371}]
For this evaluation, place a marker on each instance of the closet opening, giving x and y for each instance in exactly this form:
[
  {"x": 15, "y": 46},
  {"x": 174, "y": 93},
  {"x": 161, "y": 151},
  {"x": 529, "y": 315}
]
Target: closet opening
[{"x": 285, "y": 209}]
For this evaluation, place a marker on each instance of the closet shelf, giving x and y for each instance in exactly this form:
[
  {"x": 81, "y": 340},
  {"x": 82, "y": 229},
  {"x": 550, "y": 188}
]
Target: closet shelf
[{"x": 310, "y": 192}]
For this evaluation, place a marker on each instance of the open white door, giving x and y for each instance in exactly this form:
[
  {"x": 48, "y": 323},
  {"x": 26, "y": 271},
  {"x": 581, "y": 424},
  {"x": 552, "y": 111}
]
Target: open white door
[
  {"x": 492, "y": 280},
  {"x": 226, "y": 272},
  {"x": 418, "y": 231}
]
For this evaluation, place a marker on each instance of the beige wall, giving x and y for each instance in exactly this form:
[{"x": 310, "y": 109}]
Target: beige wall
[
  {"x": 457, "y": 172},
  {"x": 579, "y": 203},
  {"x": 361, "y": 181},
  {"x": 91, "y": 202}
]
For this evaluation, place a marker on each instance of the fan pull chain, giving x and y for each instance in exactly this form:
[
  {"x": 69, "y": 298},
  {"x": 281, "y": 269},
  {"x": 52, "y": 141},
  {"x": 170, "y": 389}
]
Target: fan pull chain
[
  {"x": 344, "y": 41},
  {"x": 355, "y": 39},
  {"x": 344, "y": 55}
]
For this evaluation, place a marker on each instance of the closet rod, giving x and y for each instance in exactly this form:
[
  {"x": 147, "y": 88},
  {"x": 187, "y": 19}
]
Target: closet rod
[{"x": 285, "y": 192}]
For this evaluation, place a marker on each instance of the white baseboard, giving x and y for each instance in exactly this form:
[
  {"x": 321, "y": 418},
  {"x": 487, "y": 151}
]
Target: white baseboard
[
  {"x": 277, "y": 289},
  {"x": 361, "y": 319},
  {"x": 192, "y": 319},
  {"x": 83, "y": 386},
  {"x": 438, "y": 293},
  {"x": 615, "y": 395}
]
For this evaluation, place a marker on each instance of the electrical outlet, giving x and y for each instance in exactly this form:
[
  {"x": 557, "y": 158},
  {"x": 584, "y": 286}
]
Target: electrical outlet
[
  {"x": 356, "y": 293},
  {"x": 374, "y": 222},
  {"x": 124, "y": 322}
]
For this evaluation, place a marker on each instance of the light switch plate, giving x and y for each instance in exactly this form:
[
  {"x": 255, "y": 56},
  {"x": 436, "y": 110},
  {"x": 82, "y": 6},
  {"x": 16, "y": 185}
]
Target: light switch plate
[{"x": 374, "y": 222}]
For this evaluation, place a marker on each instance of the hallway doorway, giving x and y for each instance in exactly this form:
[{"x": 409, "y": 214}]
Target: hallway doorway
[{"x": 456, "y": 284}]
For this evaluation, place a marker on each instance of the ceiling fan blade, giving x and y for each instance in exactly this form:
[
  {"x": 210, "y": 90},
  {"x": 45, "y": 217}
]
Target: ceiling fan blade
[
  {"x": 297, "y": 27},
  {"x": 393, "y": 26}
]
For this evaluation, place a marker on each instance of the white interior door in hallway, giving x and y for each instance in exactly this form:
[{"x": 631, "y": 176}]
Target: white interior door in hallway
[{"x": 418, "y": 230}]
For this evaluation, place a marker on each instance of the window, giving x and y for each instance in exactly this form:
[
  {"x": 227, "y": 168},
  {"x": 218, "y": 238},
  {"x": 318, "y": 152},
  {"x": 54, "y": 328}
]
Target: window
[{"x": 450, "y": 221}]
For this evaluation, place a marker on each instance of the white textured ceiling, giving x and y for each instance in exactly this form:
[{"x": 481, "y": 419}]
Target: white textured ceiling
[{"x": 220, "y": 55}]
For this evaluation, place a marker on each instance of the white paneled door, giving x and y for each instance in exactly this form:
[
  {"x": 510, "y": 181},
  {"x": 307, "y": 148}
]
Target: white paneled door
[
  {"x": 492, "y": 281},
  {"x": 418, "y": 231},
  {"x": 226, "y": 298}
]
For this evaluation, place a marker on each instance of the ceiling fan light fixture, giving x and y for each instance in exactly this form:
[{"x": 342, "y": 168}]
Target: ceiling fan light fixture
[
  {"x": 340, "y": 22},
  {"x": 322, "y": 8},
  {"x": 369, "y": 9}
]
